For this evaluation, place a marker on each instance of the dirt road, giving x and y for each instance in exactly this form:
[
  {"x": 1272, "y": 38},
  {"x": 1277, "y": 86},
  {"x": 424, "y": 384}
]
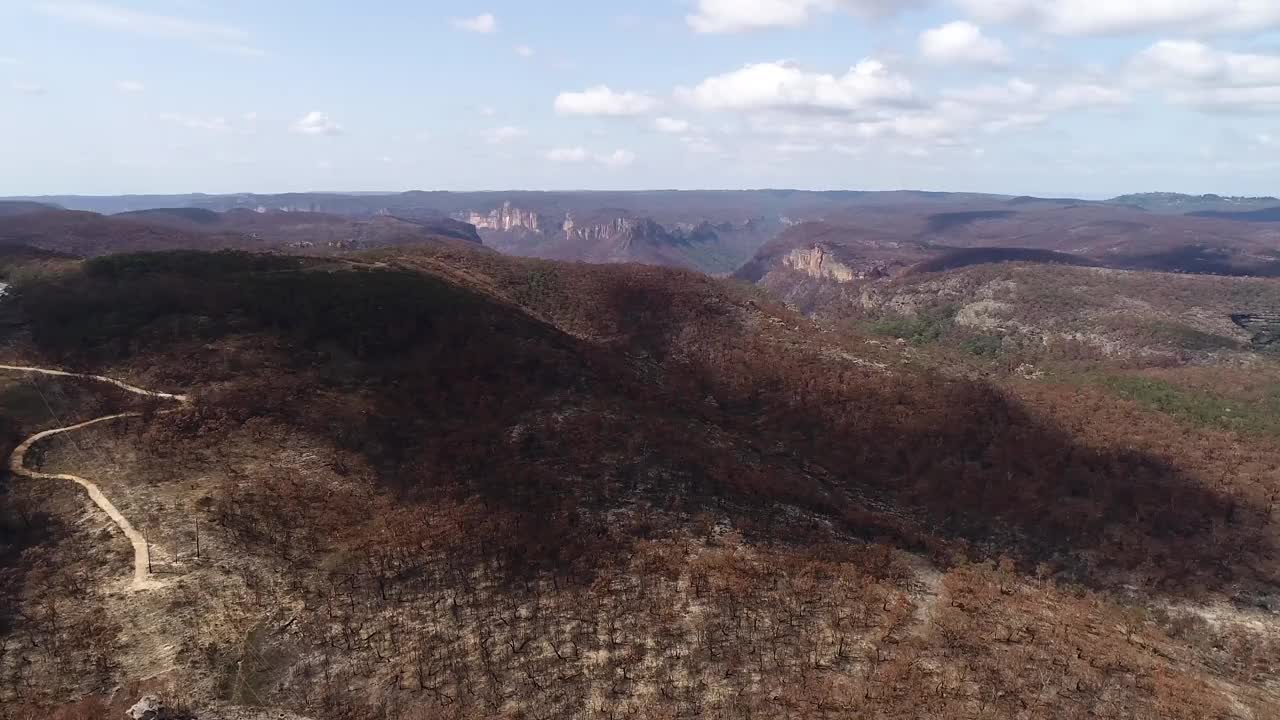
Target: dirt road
[{"x": 17, "y": 464}]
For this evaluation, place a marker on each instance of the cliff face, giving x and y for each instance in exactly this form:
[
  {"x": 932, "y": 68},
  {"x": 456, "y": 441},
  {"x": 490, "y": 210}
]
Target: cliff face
[
  {"x": 618, "y": 234},
  {"x": 818, "y": 263},
  {"x": 507, "y": 218},
  {"x": 610, "y": 235}
]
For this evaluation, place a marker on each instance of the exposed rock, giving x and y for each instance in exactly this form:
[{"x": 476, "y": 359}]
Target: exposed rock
[
  {"x": 818, "y": 263},
  {"x": 985, "y": 314},
  {"x": 507, "y": 218},
  {"x": 149, "y": 708},
  {"x": 620, "y": 233}
]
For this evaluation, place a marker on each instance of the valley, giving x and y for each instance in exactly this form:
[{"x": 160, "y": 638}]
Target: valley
[
  {"x": 696, "y": 360},
  {"x": 434, "y": 480}
]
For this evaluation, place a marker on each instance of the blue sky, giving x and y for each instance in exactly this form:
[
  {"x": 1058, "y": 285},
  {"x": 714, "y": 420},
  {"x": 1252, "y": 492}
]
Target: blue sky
[{"x": 1083, "y": 97}]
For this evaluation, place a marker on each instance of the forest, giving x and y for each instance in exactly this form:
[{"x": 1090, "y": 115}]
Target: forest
[{"x": 444, "y": 483}]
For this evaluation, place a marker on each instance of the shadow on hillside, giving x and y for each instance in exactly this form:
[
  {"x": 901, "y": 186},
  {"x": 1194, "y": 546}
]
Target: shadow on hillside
[
  {"x": 1202, "y": 260},
  {"x": 567, "y": 451},
  {"x": 979, "y": 463}
]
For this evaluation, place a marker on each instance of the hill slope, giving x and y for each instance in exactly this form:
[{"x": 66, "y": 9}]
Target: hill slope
[
  {"x": 447, "y": 480},
  {"x": 89, "y": 234}
]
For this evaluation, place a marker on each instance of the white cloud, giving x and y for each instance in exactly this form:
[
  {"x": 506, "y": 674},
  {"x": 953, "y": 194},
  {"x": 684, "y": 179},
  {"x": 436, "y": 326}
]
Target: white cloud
[
  {"x": 504, "y": 134},
  {"x": 962, "y": 43},
  {"x": 28, "y": 88},
  {"x": 957, "y": 119},
  {"x": 1229, "y": 99},
  {"x": 1014, "y": 92},
  {"x": 700, "y": 145},
  {"x": 525, "y": 51},
  {"x": 1075, "y": 96},
  {"x": 1198, "y": 75},
  {"x": 316, "y": 123},
  {"x": 568, "y": 154},
  {"x": 217, "y": 36},
  {"x": 617, "y": 159},
  {"x": 1014, "y": 121},
  {"x": 1030, "y": 101},
  {"x": 603, "y": 101},
  {"x": 485, "y": 24},
  {"x": 920, "y": 126},
  {"x": 784, "y": 86},
  {"x": 194, "y": 122},
  {"x": 732, "y": 16},
  {"x": 1106, "y": 17},
  {"x": 674, "y": 126},
  {"x": 130, "y": 87},
  {"x": 572, "y": 155},
  {"x": 789, "y": 148},
  {"x": 1188, "y": 61}
]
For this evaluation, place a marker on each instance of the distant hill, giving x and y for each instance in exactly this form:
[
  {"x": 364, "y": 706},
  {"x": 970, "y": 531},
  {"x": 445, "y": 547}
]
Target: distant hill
[
  {"x": 986, "y": 256},
  {"x": 821, "y": 267},
  {"x": 89, "y": 234},
  {"x": 1188, "y": 204},
  {"x": 181, "y": 216},
  {"x": 718, "y": 232},
  {"x": 1267, "y": 215},
  {"x": 22, "y": 208}
]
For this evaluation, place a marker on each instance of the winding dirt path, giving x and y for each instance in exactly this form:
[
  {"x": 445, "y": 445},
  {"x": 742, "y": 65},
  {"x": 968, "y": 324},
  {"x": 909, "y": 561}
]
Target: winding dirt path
[{"x": 17, "y": 464}]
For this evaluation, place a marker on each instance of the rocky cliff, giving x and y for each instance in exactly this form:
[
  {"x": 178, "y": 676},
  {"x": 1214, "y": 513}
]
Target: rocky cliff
[
  {"x": 506, "y": 218},
  {"x": 818, "y": 263},
  {"x": 618, "y": 234}
]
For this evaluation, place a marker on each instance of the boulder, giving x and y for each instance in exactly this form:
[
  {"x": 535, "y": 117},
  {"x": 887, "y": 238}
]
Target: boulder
[{"x": 148, "y": 708}]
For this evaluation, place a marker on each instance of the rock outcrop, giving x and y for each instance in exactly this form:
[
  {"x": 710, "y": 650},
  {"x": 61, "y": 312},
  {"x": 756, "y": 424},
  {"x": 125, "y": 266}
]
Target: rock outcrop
[
  {"x": 619, "y": 233},
  {"x": 150, "y": 707},
  {"x": 507, "y": 218},
  {"x": 818, "y": 263}
]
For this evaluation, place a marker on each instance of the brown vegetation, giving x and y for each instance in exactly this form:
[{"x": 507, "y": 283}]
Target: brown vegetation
[{"x": 543, "y": 490}]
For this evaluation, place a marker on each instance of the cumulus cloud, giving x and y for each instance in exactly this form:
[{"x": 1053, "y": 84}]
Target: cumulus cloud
[
  {"x": 733, "y": 16},
  {"x": 1016, "y": 91},
  {"x": 197, "y": 122},
  {"x": 1195, "y": 62},
  {"x": 605, "y": 102},
  {"x": 568, "y": 154},
  {"x": 1109, "y": 17},
  {"x": 785, "y": 86},
  {"x": 316, "y": 123},
  {"x": 1231, "y": 99},
  {"x": 484, "y": 24},
  {"x": 793, "y": 148},
  {"x": 130, "y": 87},
  {"x": 958, "y": 118},
  {"x": 674, "y": 126},
  {"x": 617, "y": 159},
  {"x": 962, "y": 43},
  {"x": 1086, "y": 95},
  {"x": 107, "y": 17},
  {"x": 1196, "y": 74},
  {"x": 505, "y": 134},
  {"x": 700, "y": 145},
  {"x": 1026, "y": 97}
]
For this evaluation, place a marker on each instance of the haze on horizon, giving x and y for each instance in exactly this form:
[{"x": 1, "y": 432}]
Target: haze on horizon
[{"x": 1075, "y": 97}]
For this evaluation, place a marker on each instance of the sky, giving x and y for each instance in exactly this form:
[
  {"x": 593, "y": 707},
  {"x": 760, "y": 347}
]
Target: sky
[{"x": 1089, "y": 98}]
